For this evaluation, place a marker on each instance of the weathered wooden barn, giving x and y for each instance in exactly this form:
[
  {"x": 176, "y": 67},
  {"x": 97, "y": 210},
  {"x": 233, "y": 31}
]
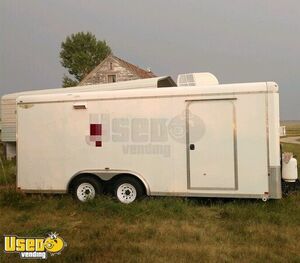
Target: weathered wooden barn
[{"x": 114, "y": 69}]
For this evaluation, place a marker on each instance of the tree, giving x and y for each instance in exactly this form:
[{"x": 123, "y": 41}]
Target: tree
[{"x": 80, "y": 54}]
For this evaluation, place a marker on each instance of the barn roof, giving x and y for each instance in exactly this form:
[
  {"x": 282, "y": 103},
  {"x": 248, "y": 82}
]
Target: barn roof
[
  {"x": 135, "y": 69},
  {"x": 141, "y": 73}
]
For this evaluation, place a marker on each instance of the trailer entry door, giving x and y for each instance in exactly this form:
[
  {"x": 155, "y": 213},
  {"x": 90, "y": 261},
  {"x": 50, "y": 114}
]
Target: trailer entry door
[{"x": 211, "y": 145}]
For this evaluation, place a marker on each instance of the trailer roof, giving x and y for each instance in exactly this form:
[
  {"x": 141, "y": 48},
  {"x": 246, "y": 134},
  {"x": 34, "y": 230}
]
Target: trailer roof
[
  {"x": 158, "y": 82},
  {"x": 226, "y": 89}
]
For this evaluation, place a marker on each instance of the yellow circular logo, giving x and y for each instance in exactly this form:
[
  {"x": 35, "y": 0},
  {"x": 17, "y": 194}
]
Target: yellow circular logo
[{"x": 54, "y": 244}]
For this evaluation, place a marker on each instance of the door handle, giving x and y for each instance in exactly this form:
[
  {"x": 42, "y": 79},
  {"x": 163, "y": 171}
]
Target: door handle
[{"x": 192, "y": 147}]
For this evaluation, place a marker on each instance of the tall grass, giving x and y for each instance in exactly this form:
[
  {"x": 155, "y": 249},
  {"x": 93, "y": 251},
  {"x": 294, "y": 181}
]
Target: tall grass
[{"x": 160, "y": 229}]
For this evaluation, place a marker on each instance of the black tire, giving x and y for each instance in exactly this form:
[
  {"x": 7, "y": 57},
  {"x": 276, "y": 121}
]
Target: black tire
[
  {"x": 86, "y": 188},
  {"x": 127, "y": 189}
]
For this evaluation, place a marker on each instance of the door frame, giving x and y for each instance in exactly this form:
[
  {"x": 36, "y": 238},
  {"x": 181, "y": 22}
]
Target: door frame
[{"x": 234, "y": 126}]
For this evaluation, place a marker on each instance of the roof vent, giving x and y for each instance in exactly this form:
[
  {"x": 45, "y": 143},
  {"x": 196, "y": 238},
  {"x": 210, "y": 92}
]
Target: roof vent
[{"x": 196, "y": 79}]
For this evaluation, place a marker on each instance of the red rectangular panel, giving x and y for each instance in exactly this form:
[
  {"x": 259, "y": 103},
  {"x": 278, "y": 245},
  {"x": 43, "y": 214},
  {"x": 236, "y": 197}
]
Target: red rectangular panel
[{"x": 95, "y": 129}]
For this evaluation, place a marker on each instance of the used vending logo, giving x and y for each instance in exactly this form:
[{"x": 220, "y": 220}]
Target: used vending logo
[{"x": 34, "y": 248}]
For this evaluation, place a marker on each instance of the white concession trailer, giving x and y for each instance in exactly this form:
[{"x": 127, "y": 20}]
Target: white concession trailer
[{"x": 198, "y": 141}]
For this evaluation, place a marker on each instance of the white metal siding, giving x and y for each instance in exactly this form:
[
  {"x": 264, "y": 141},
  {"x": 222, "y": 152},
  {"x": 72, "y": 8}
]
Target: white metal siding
[
  {"x": 8, "y": 102},
  {"x": 68, "y": 153},
  {"x": 8, "y": 120}
]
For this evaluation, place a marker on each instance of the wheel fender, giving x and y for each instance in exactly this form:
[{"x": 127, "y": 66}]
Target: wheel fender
[{"x": 107, "y": 175}]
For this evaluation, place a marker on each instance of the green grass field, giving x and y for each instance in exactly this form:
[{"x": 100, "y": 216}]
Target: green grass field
[
  {"x": 156, "y": 229},
  {"x": 292, "y": 127}
]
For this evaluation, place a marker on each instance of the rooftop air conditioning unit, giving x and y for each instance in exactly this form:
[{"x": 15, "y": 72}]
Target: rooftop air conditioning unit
[{"x": 196, "y": 79}]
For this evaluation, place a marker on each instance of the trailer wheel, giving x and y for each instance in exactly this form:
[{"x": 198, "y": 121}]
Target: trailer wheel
[
  {"x": 127, "y": 189},
  {"x": 86, "y": 188}
]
